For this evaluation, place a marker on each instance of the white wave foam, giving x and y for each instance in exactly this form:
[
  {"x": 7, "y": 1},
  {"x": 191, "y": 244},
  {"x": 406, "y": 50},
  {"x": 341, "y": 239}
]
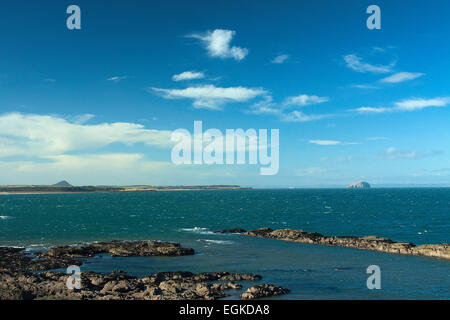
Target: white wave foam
[
  {"x": 218, "y": 241},
  {"x": 198, "y": 230},
  {"x": 5, "y": 217}
]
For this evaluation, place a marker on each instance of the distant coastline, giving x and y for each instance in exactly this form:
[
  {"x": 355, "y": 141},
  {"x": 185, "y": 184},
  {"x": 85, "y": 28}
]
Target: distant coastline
[{"x": 48, "y": 189}]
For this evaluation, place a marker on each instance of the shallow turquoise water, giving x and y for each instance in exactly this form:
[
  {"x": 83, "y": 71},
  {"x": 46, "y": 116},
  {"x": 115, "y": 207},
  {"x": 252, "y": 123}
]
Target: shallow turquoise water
[{"x": 311, "y": 272}]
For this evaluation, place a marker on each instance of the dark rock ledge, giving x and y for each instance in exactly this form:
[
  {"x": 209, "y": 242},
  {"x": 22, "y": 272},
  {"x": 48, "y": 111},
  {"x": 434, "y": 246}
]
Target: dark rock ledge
[
  {"x": 18, "y": 282},
  {"x": 63, "y": 256},
  {"x": 118, "y": 285},
  {"x": 365, "y": 243}
]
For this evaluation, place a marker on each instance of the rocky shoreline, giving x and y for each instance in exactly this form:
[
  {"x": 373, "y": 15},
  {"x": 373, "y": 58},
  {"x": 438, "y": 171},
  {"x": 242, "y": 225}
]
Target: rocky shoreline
[
  {"x": 20, "y": 281},
  {"x": 373, "y": 243}
]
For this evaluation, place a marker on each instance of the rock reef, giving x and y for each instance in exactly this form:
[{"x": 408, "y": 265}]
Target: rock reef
[
  {"x": 19, "y": 281},
  {"x": 118, "y": 285},
  {"x": 374, "y": 243},
  {"x": 17, "y": 259},
  {"x": 118, "y": 249}
]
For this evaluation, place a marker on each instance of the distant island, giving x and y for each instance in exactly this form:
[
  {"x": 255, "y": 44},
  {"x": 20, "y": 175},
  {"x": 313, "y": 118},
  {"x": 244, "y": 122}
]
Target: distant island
[
  {"x": 359, "y": 185},
  {"x": 63, "y": 183},
  {"x": 66, "y": 187}
]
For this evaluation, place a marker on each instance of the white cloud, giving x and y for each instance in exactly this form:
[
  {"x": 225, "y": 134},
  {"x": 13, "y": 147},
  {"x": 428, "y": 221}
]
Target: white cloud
[
  {"x": 371, "y": 110},
  {"x": 413, "y": 104},
  {"x": 117, "y": 78},
  {"x": 355, "y": 63},
  {"x": 280, "y": 59},
  {"x": 401, "y": 77},
  {"x": 418, "y": 104},
  {"x": 330, "y": 142},
  {"x": 377, "y": 138},
  {"x": 304, "y": 100},
  {"x": 217, "y": 43},
  {"x": 188, "y": 75},
  {"x": 325, "y": 142},
  {"x": 44, "y": 135},
  {"x": 265, "y": 106},
  {"x": 392, "y": 153},
  {"x": 210, "y": 96},
  {"x": 298, "y": 116},
  {"x": 363, "y": 86}
]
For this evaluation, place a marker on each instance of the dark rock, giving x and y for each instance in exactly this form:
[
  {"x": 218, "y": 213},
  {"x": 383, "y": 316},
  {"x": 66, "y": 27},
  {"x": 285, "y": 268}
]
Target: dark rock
[
  {"x": 365, "y": 243},
  {"x": 237, "y": 230},
  {"x": 262, "y": 291},
  {"x": 119, "y": 249},
  {"x": 20, "y": 285}
]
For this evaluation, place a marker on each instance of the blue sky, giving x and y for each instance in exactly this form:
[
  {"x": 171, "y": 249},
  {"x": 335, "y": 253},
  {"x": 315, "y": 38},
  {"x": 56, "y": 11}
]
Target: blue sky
[{"x": 97, "y": 105}]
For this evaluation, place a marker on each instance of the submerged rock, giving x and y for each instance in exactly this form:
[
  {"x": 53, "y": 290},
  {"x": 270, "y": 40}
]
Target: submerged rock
[
  {"x": 263, "y": 291},
  {"x": 237, "y": 230}
]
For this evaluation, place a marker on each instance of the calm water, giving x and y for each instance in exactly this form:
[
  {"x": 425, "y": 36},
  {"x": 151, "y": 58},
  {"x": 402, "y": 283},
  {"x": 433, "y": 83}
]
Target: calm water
[{"x": 311, "y": 272}]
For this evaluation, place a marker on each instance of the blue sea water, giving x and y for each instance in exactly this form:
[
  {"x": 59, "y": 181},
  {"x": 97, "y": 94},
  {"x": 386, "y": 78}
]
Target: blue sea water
[{"x": 189, "y": 217}]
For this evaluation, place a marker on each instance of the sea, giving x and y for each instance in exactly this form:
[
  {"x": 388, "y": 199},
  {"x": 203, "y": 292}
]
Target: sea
[{"x": 417, "y": 215}]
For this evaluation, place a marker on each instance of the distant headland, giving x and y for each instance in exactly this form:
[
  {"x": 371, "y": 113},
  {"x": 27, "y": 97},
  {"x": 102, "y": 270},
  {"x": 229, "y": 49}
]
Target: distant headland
[{"x": 66, "y": 187}]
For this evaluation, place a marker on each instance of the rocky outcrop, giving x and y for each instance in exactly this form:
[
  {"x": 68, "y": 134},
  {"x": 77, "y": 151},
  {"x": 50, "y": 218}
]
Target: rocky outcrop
[
  {"x": 18, "y": 282},
  {"x": 17, "y": 259},
  {"x": 365, "y": 243},
  {"x": 359, "y": 185},
  {"x": 263, "y": 291},
  {"x": 119, "y": 249},
  {"x": 61, "y": 257},
  {"x": 21, "y": 285}
]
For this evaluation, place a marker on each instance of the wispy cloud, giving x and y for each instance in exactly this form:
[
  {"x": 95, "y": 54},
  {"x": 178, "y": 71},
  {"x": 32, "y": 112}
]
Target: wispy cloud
[
  {"x": 217, "y": 43},
  {"x": 356, "y": 63},
  {"x": 188, "y": 75},
  {"x": 265, "y": 106},
  {"x": 418, "y": 104},
  {"x": 402, "y": 77},
  {"x": 280, "y": 59},
  {"x": 330, "y": 142},
  {"x": 364, "y": 86},
  {"x": 371, "y": 110},
  {"x": 304, "y": 100},
  {"x": 377, "y": 138},
  {"x": 210, "y": 96},
  {"x": 392, "y": 153},
  {"x": 49, "y": 80},
  {"x": 413, "y": 104},
  {"x": 268, "y": 106},
  {"x": 117, "y": 78},
  {"x": 298, "y": 116}
]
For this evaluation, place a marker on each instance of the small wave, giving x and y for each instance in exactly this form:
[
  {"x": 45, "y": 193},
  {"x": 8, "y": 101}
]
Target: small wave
[
  {"x": 197, "y": 230},
  {"x": 5, "y": 217},
  {"x": 217, "y": 241}
]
